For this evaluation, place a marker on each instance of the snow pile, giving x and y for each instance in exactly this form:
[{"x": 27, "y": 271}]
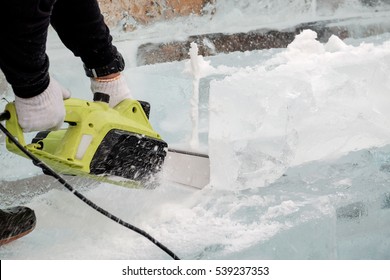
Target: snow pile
[{"x": 310, "y": 102}]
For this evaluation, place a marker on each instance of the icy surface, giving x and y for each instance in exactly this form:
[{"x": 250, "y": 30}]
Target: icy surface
[{"x": 299, "y": 142}]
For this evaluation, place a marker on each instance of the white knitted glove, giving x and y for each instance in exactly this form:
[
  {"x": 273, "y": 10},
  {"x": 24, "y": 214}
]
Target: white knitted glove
[
  {"x": 116, "y": 88},
  {"x": 45, "y": 111}
]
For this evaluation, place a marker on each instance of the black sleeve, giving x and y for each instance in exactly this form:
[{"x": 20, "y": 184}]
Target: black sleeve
[
  {"x": 23, "y": 56},
  {"x": 81, "y": 27},
  {"x": 23, "y": 30}
]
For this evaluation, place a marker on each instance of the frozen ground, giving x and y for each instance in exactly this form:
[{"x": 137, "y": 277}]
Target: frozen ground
[{"x": 299, "y": 142}]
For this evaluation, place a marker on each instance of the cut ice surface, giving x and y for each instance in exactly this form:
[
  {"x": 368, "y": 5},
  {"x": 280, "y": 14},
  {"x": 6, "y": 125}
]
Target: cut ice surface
[
  {"x": 303, "y": 104},
  {"x": 299, "y": 142}
]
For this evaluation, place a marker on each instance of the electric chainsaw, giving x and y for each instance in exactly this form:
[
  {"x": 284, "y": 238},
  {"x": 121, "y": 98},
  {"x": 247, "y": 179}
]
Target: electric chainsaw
[{"x": 116, "y": 145}]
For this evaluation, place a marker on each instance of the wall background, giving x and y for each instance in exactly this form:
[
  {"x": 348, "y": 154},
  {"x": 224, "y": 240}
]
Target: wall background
[{"x": 148, "y": 11}]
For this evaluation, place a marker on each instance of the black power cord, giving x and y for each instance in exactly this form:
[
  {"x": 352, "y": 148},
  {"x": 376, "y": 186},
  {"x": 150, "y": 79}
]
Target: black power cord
[{"x": 48, "y": 171}]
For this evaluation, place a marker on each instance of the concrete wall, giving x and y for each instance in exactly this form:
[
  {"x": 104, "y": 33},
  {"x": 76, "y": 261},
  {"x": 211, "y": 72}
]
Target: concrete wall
[
  {"x": 130, "y": 13},
  {"x": 134, "y": 12}
]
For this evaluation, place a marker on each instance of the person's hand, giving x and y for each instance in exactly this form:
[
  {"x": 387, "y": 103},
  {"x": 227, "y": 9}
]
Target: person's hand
[
  {"x": 115, "y": 86},
  {"x": 45, "y": 111}
]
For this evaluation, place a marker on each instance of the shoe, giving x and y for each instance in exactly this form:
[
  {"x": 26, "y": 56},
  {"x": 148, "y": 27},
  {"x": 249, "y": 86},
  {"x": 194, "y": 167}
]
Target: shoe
[{"x": 15, "y": 223}]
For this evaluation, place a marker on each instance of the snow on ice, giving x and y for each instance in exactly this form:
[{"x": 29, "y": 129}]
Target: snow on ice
[{"x": 300, "y": 159}]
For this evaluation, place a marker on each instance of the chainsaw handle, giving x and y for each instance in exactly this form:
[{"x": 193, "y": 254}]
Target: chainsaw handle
[{"x": 12, "y": 125}]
